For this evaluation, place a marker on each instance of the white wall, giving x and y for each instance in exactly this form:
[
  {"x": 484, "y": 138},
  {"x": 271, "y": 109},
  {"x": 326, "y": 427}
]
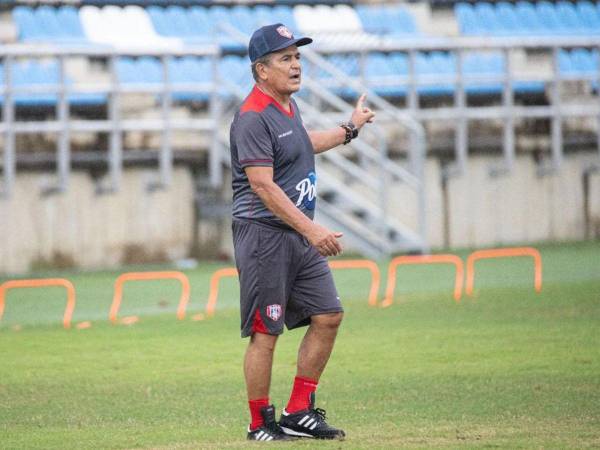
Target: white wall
[
  {"x": 94, "y": 230},
  {"x": 100, "y": 231}
]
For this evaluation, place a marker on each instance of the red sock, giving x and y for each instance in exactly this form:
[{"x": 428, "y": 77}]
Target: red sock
[
  {"x": 255, "y": 407},
  {"x": 300, "y": 398}
]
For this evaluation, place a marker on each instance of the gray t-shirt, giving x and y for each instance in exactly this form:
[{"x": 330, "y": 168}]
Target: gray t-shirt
[{"x": 263, "y": 133}]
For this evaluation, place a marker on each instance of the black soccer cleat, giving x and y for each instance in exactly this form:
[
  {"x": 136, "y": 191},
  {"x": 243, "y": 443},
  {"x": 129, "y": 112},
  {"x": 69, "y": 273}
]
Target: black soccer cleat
[
  {"x": 269, "y": 430},
  {"x": 309, "y": 423}
]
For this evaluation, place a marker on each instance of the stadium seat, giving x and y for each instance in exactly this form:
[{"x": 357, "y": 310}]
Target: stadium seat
[
  {"x": 187, "y": 70},
  {"x": 525, "y": 18},
  {"x": 467, "y": 19},
  {"x": 589, "y": 16},
  {"x": 123, "y": 28},
  {"x": 32, "y": 75},
  {"x": 381, "y": 76},
  {"x": 509, "y": 20},
  {"x": 49, "y": 24},
  {"x": 387, "y": 20},
  {"x": 236, "y": 70},
  {"x": 486, "y": 14}
]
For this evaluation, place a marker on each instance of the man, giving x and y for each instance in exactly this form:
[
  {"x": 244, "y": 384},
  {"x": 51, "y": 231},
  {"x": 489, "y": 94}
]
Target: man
[{"x": 280, "y": 252}]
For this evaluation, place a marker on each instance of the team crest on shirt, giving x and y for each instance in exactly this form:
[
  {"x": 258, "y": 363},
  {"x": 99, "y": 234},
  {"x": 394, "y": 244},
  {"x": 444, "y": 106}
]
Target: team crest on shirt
[
  {"x": 283, "y": 31},
  {"x": 308, "y": 191},
  {"x": 274, "y": 312}
]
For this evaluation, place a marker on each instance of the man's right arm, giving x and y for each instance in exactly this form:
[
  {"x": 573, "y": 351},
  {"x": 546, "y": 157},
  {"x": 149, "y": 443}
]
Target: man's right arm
[{"x": 261, "y": 181}]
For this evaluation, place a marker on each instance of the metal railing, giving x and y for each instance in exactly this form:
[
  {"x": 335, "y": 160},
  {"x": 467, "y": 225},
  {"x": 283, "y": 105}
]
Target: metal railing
[
  {"x": 557, "y": 110},
  {"x": 114, "y": 124}
]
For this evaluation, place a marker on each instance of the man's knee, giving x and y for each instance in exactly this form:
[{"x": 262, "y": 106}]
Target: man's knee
[
  {"x": 330, "y": 320},
  {"x": 264, "y": 342}
]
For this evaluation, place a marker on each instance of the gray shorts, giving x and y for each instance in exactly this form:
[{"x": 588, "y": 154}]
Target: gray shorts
[{"x": 283, "y": 279}]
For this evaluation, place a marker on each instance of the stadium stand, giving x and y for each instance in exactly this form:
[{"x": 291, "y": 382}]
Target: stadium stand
[
  {"x": 31, "y": 79},
  {"x": 183, "y": 73},
  {"x": 123, "y": 28},
  {"x": 175, "y": 26},
  {"x": 528, "y": 19}
]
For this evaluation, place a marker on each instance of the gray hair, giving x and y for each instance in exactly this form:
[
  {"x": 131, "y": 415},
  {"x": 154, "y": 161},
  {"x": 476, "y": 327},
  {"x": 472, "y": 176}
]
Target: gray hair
[{"x": 266, "y": 60}]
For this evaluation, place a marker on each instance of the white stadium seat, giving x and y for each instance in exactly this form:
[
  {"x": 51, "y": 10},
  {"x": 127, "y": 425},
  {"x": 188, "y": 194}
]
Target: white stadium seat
[
  {"x": 338, "y": 25},
  {"x": 123, "y": 28}
]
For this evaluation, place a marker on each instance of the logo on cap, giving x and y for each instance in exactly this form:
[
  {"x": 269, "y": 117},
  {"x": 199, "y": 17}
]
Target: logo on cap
[{"x": 283, "y": 31}]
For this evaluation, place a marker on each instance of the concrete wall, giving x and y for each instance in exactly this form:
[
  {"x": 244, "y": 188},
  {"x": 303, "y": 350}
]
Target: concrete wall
[
  {"x": 80, "y": 228},
  {"x": 522, "y": 206}
]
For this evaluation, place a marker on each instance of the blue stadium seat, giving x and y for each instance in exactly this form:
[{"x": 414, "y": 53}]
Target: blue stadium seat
[
  {"x": 589, "y": 16},
  {"x": 243, "y": 19},
  {"x": 177, "y": 20},
  {"x": 263, "y": 15},
  {"x": 193, "y": 25},
  {"x": 49, "y": 24},
  {"x": 390, "y": 20},
  {"x": 285, "y": 15},
  {"x": 159, "y": 21},
  {"x": 528, "y": 16},
  {"x": 400, "y": 20},
  {"x": 27, "y": 26},
  {"x": 525, "y": 18},
  {"x": 550, "y": 19},
  {"x": 32, "y": 74},
  {"x": 569, "y": 18},
  {"x": 486, "y": 15},
  {"x": 145, "y": 70},
  {"x": 467, "y": 20},
  {"x": 477, "y": 64},
  {"x": 509, "y": 20},
  {"x": 382, "y": 76},
  {"x": 579, "y": 64},
  {"x": 68, "y": 17},
  {"x": 200, "y": 24},
  {"x": 190, "y": 69},
  {"x": 236, "y": 70}
]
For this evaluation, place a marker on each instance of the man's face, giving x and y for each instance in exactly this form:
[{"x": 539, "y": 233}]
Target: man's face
[{"x": 283, "y": 71}]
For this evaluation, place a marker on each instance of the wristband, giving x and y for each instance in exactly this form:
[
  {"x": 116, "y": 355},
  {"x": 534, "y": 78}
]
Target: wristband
[{"x": 351, "y": 131}]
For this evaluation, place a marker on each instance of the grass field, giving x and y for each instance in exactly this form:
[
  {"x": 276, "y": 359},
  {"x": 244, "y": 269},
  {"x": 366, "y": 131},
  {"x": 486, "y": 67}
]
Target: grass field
[{"x": 509, "y": 369}]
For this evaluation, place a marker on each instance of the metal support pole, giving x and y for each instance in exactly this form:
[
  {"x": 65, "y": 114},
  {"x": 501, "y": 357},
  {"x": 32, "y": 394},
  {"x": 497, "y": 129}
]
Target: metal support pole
[
  {"x": 215, "y": 165},
  {"x": 598, "y": 118},
  {"x": 461, "y": 130},
  {"x": 115, "y": 151},
  {"x": 165, "y": 159},
  {"x": 556, "y": 127},
  {"x": 63, "y": 160},
  {"x": 413, "y": 98},
  {"x": 508, "y": 125},
  {"x": 8, "y": 116},
  {"x": 413, "y": 105}
]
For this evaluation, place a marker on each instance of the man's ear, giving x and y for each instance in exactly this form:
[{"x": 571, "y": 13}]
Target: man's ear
[{"x": 261, "y": 70}]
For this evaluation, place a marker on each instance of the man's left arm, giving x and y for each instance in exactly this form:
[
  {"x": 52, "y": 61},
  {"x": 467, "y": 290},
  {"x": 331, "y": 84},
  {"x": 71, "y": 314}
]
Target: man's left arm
[{"x": 324, "y": 140}]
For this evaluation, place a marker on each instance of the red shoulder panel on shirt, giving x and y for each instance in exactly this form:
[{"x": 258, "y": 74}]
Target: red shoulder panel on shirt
[{"x": 257, "y": 101}]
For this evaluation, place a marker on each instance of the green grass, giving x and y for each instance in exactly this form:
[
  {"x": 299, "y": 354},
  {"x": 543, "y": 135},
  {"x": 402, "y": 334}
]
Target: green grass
[{"x": 509, "y": 369}]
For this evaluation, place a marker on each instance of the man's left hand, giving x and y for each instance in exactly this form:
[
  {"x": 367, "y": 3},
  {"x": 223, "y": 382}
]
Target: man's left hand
[{"x": 361, "y": 113}]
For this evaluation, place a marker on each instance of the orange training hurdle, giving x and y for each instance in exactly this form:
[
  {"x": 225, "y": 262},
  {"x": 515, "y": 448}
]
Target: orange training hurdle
[
  {"x": 504, "y": 253},
  {"x": 140, "y": 276},
  {"x": 362, "y": 264},
  {"x": 214, "y": 287},
  {"x": 13, "y": 284},
  {"x": 424, "y": 259}
]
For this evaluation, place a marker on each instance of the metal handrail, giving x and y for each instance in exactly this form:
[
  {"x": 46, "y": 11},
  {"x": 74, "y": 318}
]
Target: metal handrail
[{"x": 114, "y": 125}]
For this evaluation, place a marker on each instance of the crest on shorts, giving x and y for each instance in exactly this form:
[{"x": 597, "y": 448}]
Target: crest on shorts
[
  {"x": 283, "y": 31},
  {"x": 274, "y": 312}
]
